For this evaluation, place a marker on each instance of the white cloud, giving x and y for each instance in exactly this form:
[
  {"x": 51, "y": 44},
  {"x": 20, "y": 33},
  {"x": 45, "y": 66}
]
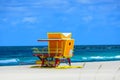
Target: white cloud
[
  {"x": 55, "y": 2},
  {"x": 29, "y": 19},
  {"x": 84, "y": 1},
  {"x": 27, "y": 6},
  {"x": 20, "y": 8},
  {"x": 14, "y": 23},
  {"x": 38, "y": 3},
  {"x": 88, "y": 18},
  {"x": 5, "y": 19},
  {"x": 71, "y": 9},
  {"x": 95, "y": 1}
]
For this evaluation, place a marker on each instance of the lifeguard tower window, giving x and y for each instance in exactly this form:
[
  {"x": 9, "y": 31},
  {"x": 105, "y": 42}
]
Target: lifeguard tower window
[{"x": 69, "y": 43}]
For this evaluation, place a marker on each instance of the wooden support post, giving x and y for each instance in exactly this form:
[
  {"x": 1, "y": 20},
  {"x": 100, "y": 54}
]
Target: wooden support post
[
  {"x": 69, "y": 61},
  {"x": 57, "y": 61},
  {"x": 43, "y": 61}
]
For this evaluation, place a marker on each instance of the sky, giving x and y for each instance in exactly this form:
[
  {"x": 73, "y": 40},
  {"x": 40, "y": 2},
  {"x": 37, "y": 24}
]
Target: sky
[{"x": 91, "y": 22}]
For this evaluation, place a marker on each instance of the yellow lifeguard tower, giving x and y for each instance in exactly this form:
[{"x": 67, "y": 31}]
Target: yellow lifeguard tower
[{"x": 60, "y": 49}]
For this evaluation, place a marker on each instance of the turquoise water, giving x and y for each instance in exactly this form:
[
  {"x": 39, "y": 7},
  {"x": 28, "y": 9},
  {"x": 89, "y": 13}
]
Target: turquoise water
[{"x": 22, "y": 55}]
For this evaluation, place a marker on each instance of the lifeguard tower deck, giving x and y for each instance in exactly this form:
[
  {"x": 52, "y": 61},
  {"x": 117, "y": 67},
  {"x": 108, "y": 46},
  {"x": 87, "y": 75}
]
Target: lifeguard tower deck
[{"x": 60, "y": 49}]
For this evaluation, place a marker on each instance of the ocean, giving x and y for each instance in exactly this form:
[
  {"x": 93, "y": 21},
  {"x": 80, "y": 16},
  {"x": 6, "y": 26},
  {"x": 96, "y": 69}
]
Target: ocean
[{"x": 23, "y": 55}]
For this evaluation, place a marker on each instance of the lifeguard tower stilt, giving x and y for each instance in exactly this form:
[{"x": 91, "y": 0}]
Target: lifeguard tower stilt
[{"x": 60, "y": 49}]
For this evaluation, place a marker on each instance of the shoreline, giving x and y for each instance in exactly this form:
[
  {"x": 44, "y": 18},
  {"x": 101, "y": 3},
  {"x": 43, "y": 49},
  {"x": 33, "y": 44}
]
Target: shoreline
[
  {"x": 7, "y": 65},
  {"x": 107, "y": 70}
]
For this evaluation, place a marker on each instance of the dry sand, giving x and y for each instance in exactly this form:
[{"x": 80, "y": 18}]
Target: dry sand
[{"x": 109, "y": 70}]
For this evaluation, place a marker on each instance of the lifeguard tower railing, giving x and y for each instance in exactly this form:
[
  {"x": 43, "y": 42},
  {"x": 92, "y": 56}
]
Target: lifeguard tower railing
[{"x": 60, "y": 49}]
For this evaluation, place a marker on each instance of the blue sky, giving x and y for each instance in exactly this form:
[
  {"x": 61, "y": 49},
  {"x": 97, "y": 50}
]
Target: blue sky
[{"x": 92, "y": 22}]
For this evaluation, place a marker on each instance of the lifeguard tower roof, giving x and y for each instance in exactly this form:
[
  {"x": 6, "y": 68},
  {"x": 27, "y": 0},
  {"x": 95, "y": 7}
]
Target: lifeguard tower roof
[{"x": 59, "y": 35}]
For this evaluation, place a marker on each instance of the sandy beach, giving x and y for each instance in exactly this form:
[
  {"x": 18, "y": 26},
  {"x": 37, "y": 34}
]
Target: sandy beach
[{"x": 109, "y": 70}]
